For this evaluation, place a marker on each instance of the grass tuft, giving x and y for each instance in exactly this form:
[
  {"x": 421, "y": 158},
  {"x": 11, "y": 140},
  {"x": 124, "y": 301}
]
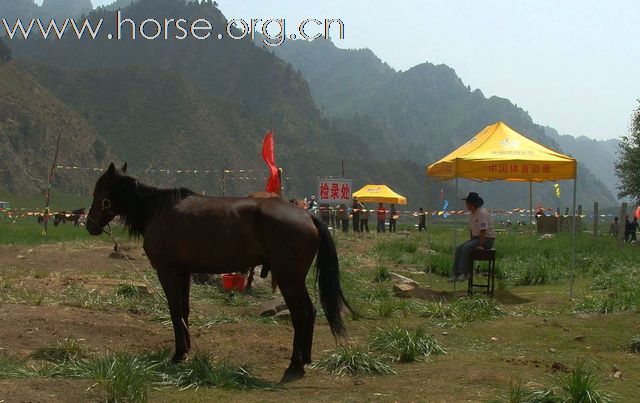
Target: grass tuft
[
  {"x": 382, "y": 274},
  {"x": 127, "y": 290},
  {"x": 118, "y": 377},
  {"x": 201, "y": 370},
  {"x": 633, "y": 345},
  {"x": 582, "y": 385},
  {"x": 352, "y": 361},
  {"x": 463, "y": 310},
  {"x": 387, "y": 307},
  {"x": 65, "y": 350},
  {"x": 403, "y": 344},
  {"x": 10, "y": 369}
]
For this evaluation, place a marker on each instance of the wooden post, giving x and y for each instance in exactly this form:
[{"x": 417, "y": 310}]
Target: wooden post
[
  {"x": 622, "y": 222},
  {"x": 596, "y": 219},
  {"x": 224, "y": 181}
]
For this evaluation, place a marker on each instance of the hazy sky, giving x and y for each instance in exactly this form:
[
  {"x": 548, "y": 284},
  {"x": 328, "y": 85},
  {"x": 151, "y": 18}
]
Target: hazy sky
[{"x": 573, "y": 64}]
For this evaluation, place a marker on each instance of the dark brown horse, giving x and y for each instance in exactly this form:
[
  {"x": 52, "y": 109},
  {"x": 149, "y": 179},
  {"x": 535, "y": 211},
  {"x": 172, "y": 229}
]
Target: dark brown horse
[
  {"x": 187, "y": 233},
  {"x": 74, "y": 217}
]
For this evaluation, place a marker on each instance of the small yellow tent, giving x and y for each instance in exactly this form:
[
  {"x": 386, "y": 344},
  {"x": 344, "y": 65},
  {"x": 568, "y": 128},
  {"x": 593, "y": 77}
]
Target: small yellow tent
[
  {"x": 500, "y": 153},
  {"x": 379, "y": 194}
]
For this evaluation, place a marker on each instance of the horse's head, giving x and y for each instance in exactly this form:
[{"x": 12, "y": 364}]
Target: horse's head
[{"x": 105, "y": 202}]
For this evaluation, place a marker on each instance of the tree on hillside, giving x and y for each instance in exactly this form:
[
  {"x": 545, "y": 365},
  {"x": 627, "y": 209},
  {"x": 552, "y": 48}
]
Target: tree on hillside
[
  {"x": 5, "y": 51},
  {"x": 628, "y": 165}
]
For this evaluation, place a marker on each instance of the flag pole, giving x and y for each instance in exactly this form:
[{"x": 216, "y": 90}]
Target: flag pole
[{"x": 48, "y": 195}]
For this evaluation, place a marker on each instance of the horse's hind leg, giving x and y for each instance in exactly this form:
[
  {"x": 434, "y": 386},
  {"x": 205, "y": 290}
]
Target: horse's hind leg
[
  {"x": 298, "y": 301},
  {"x": 309, "y": 324}
]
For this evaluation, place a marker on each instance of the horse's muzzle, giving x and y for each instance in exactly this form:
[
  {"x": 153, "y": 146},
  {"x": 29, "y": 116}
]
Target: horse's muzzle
[{"x": 93, "y": 228}]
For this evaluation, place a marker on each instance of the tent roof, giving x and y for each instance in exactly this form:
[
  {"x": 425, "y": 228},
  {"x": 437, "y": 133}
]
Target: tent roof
[
  {"x": 379, "y": 194},
  {"x": 500, "y": 153}
]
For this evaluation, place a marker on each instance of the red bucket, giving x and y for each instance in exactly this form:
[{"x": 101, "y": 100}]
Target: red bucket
[{"x": 233, "y": 282}]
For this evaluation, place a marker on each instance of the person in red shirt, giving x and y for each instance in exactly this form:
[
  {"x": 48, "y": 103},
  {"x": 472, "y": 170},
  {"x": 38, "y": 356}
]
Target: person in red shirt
[{"x": 382, "y": 217}]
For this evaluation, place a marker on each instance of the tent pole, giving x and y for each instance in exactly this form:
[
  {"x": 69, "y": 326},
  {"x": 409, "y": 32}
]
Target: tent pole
[
  {"x": 531, "y": 205},
  {"x": 573, "y": 239},
  {"x": 428, "y": 221},
  {"x": 455, "y": 235}
]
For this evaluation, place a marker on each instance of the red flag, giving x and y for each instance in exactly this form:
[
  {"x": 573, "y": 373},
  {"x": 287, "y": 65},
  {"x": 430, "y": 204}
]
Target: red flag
[{"x": 268, "y": 154}]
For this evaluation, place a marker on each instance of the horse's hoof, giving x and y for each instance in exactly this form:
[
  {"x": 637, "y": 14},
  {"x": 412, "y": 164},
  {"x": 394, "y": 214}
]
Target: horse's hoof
[
  {"x": 291, "y": 375},
  {"x": 178, "y": 358}
]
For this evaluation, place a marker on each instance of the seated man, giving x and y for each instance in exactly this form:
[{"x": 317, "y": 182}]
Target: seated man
[{"x": 482, "y": 234}]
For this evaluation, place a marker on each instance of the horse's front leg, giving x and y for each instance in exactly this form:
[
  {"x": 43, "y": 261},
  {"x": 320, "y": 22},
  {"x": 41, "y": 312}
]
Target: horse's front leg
[{"x": 172, "y": 282}]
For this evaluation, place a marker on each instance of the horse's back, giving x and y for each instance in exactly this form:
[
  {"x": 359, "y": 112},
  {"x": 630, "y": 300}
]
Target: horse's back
[{"x": 229, "y": 232}]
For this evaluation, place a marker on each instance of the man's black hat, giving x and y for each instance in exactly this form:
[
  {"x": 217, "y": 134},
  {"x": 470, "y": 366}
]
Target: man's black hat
[{"x": 474, "y": 199}]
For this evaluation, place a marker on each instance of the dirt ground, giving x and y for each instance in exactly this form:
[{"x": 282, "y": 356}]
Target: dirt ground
[{"x": 483, "y": 358}]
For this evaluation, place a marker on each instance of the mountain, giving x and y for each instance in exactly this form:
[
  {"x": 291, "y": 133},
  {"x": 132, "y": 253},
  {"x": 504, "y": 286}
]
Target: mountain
[
  {"x": 601, "y": 155},
  {"x": 31, "y": 119},
  {"x": 197, "y": 104},
  {"x": 12, "y": 10},
  {"x": 233, "y": 69},
  {"x": 420, "y": 114},
  {"x": 206, "y": 104},
  {"x": 192, "y": 130},
  {"x": 65, "y": 8}
]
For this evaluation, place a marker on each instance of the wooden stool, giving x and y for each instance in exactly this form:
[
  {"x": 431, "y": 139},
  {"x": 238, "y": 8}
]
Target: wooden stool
[{"x": 483, "y": 255}]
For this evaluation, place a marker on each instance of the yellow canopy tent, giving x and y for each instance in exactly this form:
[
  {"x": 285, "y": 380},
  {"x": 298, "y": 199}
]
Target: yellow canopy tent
[
  {"x": 379, "y": 194},
  {"x": 500, "y": 153}
]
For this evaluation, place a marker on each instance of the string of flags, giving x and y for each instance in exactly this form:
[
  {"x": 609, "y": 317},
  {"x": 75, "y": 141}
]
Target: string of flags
[
  {"x": 182, "y": 171},
  {"x": 163, "y": 171}
]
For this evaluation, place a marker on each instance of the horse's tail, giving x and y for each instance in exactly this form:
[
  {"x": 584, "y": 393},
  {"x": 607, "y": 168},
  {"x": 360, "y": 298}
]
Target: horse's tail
[{"x": 328, "y": 280}]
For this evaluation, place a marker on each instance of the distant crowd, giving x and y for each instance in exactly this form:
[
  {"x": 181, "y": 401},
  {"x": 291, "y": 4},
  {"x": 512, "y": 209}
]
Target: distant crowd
[{"x": 356, "y": 216}]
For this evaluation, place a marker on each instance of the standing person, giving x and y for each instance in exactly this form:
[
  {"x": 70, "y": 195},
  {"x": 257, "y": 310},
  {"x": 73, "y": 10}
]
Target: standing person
[
  {"x": 325, "y": 214},
  {"x": 332, "y": 211},
  {"x": 614, "y": 228},
  {"x": 342, "y": 216},
  {"x": 422, "y": 220},
  {"x": 627, "y": 228},
  {"x": 482, "y": 236},
  {"x": 633, "y": 226},
  {"x": 312, "y": 205},
  {"x": 364, "y": 219},
  {"x": 382, "y": 218},
  {"x": 393, "y": 217},
  {"x": 355, "y": 212}
]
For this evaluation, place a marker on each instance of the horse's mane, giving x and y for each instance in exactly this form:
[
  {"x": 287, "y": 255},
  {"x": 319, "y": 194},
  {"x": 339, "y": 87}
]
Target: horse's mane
[{"x": 138, "y": 203}]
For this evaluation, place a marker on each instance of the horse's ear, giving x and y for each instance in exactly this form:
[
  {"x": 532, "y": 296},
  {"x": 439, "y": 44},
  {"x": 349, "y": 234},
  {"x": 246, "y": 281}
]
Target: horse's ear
[
  {"x": 124, "y": 168},
  {"x": 112, "y": 169}
]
